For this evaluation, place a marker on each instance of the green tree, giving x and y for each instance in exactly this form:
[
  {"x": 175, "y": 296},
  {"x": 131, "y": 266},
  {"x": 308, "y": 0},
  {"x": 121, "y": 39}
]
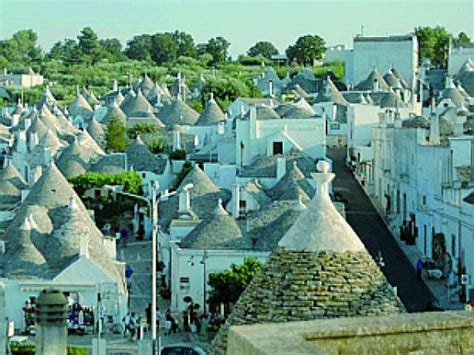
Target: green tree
[
  {"x": 462, "y": 39},
  {"x": 89, "y": 45},
  {"x": 262, "y": 48},
  {"x": 228, "y": 285},
  {"x": 112, "y": 49},
  {"x": 21, "y": 48},
  {"x": 164, "y": 48},
  {"x": 186, "y": 47},
  {"x": 434, "y": 44},
  {"x": 307, "y": 49},
  {"x": 141, "y": 128},
  {"x": 217, "y": 47},
  {"x": 116, "y": 136},
  {"x": 139, "y": 47}
]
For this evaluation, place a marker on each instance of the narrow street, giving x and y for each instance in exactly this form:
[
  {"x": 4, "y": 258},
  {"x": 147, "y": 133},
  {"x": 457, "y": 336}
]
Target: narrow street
[{"x": 373, "y": 232}]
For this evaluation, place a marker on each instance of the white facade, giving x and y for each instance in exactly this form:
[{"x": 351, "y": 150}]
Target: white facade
[
  {"x": 83, "y": 279},
  {"x": 458, "y": 56},
  {"x": 260, "y": 137},
  {"x": 419, "y": 185},
  {"x": 21, "y": 80},
  {"x": 384, "y": 53},
  {"x": 188, "y": 277}
]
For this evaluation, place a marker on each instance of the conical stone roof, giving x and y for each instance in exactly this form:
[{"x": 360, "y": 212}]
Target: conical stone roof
[
  {"x": 136, "y": 105},
  {"x": 292, "y": 185},
  {"x": 47, "y": 205},
  {"x": 330, "y": 93},
  {"x": 96, "y": 131},
  {"x": 178, "y": 113},
  {"x": 219, "y": 231},
  {"x": 211, "y": 115},
  {"x": 368, "y": 83},
  {"x": 145, "y": 85},
  {"x": 320, "y": 270},
  {"x": 26, "y": 257},
  {"x": 12, "y": 175},
  {"x": 114, "y": 111},
  {"x": 202, "y": 185},
  {"x": 81, "y": 107},
  {"x": 140, "y": 157}
]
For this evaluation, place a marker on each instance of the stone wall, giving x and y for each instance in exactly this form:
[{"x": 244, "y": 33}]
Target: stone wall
[
  {"x": 3, "y": 330},
  {"x": 295, "y": 286},
  {"x": 420, "y": 333}
]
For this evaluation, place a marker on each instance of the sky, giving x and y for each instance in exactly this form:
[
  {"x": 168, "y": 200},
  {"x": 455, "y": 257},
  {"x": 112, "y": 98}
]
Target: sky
[{"x": 242, "y": 22}]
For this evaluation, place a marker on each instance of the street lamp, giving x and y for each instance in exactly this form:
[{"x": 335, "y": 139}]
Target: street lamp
[
  {"x": 204, "y": 278},
  {"x": 153, "y": 208}
]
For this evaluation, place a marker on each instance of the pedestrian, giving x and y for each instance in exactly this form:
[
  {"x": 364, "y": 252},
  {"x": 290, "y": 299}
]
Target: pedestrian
[
  {"x": 128, "y": 276},
  {"x": 419, "y": 268},
  {"x": 194, "y": 331},
  {"x": 168, "y": 326},
  {"x": 132, "y": 326},
  {"x": 148, "y": 315},
  {"x": 126, "y": 323}
]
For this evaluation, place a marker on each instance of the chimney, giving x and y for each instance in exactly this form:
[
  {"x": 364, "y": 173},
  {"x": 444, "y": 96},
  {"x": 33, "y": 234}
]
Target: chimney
[
  {"x": 34, "y": 175},
  {"x": 376, "y": 85},
  {"x": 84, "y": 245},
  {"x": 236, "y": 200},
  {"x": 47, "y": 156},
  {"x": 176, "y": 139},
  {"x": 115, "y": 86},
  {"x": 270, "y": 88},
  {"x": 185, "y": 199},
  {"x": 51, "y": 323},
  {"x": 15, "y": 120},
  {"x": 27, "y": 123},
  {"x": 21, "y": 146},
  {"x": 434, "y": 125},
  {"x": 397, "y": 118},
  {"x": 32, "y": 141},
  {"x": 281, "y": 167}
]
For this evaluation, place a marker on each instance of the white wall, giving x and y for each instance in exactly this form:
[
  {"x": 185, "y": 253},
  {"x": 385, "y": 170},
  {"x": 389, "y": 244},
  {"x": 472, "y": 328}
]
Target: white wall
[
  {"x": 186, "y": 264},
  {"x": 458, "y": 57},
  {"x": 403, "y": 55}
]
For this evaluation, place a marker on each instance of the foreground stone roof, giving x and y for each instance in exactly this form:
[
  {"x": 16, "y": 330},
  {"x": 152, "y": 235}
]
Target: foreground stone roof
[{"x": 321, "y": 269}]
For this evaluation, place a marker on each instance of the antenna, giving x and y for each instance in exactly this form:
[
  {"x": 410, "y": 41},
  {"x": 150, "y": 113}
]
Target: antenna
[{"x": 362, "y": 30}]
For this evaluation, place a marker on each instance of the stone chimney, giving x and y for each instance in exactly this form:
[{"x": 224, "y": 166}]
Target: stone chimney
[
  {"x": 84, "y": 245},
  {"x": 176, "y": 139},
  {"x": 34, "y": 175},
  {"x": 47, "y": 156},
  {"x": 32, "y": 141},
  {"x": 397, "y": 120},
  {"x": 280, "y": 167},
  {"x": 21, "y": 144},
  {"x": 115, "y": 86},
  {"x": 270, "y": 88},
  {"x": 376, "y": 87},
  {"x": 51, "y": 323},
  {"x": 185, "y": 199},
  {"x": 434, "y": 125},
  {"x": 27, "y": 123},
  {"x": 236, "y": 200}
]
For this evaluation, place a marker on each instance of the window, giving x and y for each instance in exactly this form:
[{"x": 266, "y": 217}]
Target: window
[
  {"x": 277, "y": 148},
  {"x": 184, "y": 283},
  {"x": 424, "y": 199},
  {"x": 453, "y": 245},
  {"x": 334, "y": 126}
]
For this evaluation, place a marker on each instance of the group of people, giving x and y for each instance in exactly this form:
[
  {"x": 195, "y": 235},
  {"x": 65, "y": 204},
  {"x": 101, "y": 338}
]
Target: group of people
[
  {"x": 131, "y": 325},
  {"x": 79, "y": 318}
]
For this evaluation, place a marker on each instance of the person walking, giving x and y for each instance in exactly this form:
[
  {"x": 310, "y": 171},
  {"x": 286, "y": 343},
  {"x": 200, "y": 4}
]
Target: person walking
[
  {"x": 126, "y": 323},
  {"x": 419, "y": 268},
  {"x": 148, "y": 316}
]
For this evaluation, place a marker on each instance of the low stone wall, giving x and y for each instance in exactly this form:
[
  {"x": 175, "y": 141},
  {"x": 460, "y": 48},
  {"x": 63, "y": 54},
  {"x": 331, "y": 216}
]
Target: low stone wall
[
  {"x": 420, "y": 333},
  {"x": 3, "y": 323}
]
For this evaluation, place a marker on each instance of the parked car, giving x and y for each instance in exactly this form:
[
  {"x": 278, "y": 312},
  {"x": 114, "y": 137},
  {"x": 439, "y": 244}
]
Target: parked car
[{"x": 182, "y": 349}]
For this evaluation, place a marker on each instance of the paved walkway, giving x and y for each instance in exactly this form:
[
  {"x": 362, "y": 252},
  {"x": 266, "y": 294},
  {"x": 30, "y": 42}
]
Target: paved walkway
[{"x": 377, "y": 238}]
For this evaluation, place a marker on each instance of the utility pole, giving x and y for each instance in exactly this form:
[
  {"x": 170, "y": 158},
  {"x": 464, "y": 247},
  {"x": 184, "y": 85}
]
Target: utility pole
[
  {"x": 154, "y": 230},
  {"x": 204, "y": 278}
]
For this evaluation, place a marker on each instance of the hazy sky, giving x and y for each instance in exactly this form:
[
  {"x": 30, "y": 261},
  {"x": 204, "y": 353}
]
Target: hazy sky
[{"x": 242, "y": 22}]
